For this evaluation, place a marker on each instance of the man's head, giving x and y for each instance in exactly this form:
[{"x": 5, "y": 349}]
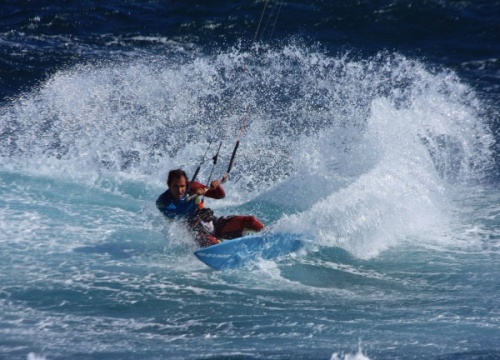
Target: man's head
[{"x": 177, "y": 182}]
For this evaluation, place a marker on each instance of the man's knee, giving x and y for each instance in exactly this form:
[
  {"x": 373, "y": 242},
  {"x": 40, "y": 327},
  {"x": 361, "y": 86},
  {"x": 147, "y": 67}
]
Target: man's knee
[{"x": 251, "y": 222}]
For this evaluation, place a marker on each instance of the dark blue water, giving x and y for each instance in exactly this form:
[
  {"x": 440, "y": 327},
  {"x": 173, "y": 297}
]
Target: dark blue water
[{"x": 372, "y": 127}]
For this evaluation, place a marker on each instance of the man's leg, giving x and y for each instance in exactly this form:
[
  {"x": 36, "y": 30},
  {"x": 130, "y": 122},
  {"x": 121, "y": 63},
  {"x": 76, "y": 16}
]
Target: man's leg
[
  {"x": 230, "y": 227},
  {"x": 204, "y": 239}
]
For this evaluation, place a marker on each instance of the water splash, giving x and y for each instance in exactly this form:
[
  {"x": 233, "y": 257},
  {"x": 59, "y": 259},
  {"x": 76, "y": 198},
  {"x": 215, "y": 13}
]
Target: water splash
[{"x": 357, "y": 152}]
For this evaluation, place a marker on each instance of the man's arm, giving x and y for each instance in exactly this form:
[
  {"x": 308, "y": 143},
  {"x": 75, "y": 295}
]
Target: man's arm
[{"x": 215, "y": 191}]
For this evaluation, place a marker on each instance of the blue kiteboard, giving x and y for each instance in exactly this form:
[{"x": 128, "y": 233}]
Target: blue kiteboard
[{"x": 231, "y": 254}]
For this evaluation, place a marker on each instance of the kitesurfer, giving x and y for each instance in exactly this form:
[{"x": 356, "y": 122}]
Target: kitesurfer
[{"x": 176, "y": 204}]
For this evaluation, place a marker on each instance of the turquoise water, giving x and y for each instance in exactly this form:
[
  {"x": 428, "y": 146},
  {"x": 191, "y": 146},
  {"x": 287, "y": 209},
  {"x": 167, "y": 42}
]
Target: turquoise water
[{"x": 88, "y": 272}]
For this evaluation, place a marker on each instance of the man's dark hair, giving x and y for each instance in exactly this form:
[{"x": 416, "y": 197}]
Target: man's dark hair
[{"x": 176, "y": 174}]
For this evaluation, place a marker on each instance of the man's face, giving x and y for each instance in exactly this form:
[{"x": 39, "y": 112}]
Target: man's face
[{"x": 178, "y": 187}]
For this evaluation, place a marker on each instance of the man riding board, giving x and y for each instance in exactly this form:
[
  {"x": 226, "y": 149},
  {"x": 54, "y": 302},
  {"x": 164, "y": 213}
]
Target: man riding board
[{"x": 209, "y": 230}]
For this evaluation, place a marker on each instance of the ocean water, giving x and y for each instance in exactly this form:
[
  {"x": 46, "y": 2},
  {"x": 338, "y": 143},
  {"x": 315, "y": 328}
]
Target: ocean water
[{"x": 370, "y": 127}]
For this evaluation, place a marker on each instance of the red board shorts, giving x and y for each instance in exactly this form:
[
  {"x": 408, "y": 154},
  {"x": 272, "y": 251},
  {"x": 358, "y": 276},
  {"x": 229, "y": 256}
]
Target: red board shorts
[{"x": 228, "y": 227}]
